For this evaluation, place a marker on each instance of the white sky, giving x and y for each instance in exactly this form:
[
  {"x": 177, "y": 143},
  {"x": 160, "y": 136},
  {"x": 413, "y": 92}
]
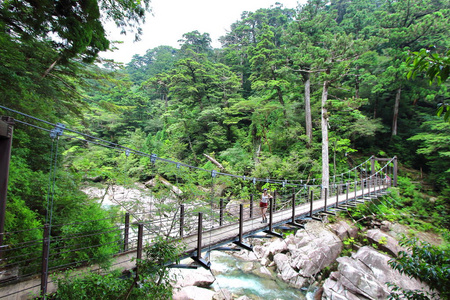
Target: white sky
[{"x": 173, "y": 18}]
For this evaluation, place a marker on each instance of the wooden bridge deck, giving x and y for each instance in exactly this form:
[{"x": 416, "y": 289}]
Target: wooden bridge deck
[{"x": 230, "y": 233}]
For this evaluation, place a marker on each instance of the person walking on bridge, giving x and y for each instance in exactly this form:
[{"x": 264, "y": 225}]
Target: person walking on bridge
[{"x": 264, "y": 204}]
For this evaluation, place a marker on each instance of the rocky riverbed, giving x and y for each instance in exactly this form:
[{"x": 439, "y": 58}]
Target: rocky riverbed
[{"x": 312, "y": 259}]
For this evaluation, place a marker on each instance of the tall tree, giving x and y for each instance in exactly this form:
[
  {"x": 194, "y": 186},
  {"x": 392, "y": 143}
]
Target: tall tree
[{"x": 413, "y": 25}]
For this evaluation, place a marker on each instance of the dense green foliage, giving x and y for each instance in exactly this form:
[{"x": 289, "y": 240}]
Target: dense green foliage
[
  {"x": 256, "y": 105},
  {"x": 429, "y": 264},
  {"x": 152, "y": 280}
]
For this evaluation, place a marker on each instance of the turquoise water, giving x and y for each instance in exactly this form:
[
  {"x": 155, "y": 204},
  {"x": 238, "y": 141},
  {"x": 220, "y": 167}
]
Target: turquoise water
[{"x": 232, "y": 277}]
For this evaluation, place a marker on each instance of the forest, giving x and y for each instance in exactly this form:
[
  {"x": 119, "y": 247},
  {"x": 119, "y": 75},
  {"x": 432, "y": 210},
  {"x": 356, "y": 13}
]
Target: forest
[{"x": 352, "y": 78}]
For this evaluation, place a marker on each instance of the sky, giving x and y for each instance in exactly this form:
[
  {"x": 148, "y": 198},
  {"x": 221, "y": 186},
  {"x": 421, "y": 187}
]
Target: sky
[{"x": 173, "y": 18}]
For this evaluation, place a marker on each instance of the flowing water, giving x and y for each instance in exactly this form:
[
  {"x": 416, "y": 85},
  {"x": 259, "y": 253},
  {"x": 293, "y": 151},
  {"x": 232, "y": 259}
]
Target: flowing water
[{"x": 241, "y": 278}]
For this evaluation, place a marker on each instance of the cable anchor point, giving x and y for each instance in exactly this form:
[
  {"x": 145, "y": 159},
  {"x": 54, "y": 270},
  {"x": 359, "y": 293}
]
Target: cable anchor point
[{"x": 57, "y": 131}]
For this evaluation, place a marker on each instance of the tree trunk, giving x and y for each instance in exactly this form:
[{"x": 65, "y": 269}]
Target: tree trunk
[
  {"x": 218, "y": 164},
  {"x": 396, "y": 106},
  {"x": 52, "y": 66},
  {"x": 308, "y": 118},
  {"x": 258, "y": 152},
  {"x": 325, "y": 155}
]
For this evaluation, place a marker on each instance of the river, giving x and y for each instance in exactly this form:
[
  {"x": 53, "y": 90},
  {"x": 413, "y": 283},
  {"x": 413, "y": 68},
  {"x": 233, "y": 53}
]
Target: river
[{"x": 236, "y": 275}]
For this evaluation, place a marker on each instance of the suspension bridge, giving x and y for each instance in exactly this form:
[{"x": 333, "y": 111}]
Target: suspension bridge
[{"x": 199, "y": 226}]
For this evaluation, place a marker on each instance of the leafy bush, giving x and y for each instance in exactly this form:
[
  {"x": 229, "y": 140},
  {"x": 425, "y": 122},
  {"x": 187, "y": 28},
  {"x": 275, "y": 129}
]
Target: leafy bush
[
  {"x": 427, "y": 263},
  {"x": 152, "y": 280},
  {"x": 88, "y": 242}
]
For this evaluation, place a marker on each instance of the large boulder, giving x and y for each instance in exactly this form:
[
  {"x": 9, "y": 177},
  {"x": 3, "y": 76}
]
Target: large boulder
[
  {"x": 364, "y": 276},
  {"x": 192, "y": 277},
  {"x": 305, "y": 254},
  {"x": 384, "y": 241},
  {"x": 193, "y": 293},
  {"x": 277, "y": 246},
  {"x": 344, "y": 230},
  {"x": 222, "y": 294}
]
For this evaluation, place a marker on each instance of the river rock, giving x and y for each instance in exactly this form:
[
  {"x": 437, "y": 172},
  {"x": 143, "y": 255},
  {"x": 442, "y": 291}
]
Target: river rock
[
  {"x": 277, "y": 246},
  {"x": 384, "y": 241},
  {"x": 192, "y": 277},
  {"x": 343, "y": 230},
  {"x": 247, "y": 267},
  {"x": 364, "y": 276},
  {"x": 385, "y": 226},
  {"x": 193, "y": 293},
  {"x": 263, "y": 272},
  {"x": 222, "y": 294},
  {"x": 245, "y": 255},
  {"x": 307, "y": 253}
]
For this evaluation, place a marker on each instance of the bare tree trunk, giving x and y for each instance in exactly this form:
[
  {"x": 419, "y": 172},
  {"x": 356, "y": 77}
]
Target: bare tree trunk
[
  {"x": 52, "y": 66},
  {"x": 258, "y": 152},
  {"x": 308, "y": 118},
  {"x": 325, "y": 155},
  {"x": 218, "y": 164},
  {"x": 396, "y": 106}
]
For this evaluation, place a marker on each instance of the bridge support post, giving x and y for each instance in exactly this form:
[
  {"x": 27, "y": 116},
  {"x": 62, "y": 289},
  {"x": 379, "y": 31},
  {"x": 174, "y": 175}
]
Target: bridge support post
[
  {"x": 362, "y": 187},
  {"x": 311, "y": 208},
  {"x": 140, "y": 241},
  {"x": 376, "y": 185},
  {"x": 346, "y": 192},
  {"x": 45, "y": 256},
  {"x": 293, "y": 208},
  {"x": 198, "y": 258},
  {"x": 395, "y": 170},
  {"x": 325, "y": 211},
  {"x": 293, "y": 223},
  {"x": 271, "y": 215},
  {"x": 240, "y": 241},
  {"x": 221, "y": 213},
  {"x": 126, "y": 232},
  {"x": 251, "y": 206},
  {"x": 6, "y": 134},
  {"x": 274, "y": 200},
  {"x": 372, "y": 164},
  {"x": 270, "y": 231},
  {"x": 337, "y": 197},
  {"x": 181, "y": 220}
]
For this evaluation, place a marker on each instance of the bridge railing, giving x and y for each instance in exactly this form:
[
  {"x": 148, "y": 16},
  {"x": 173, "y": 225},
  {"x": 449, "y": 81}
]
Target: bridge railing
[{"x": 45, "y": 250}]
